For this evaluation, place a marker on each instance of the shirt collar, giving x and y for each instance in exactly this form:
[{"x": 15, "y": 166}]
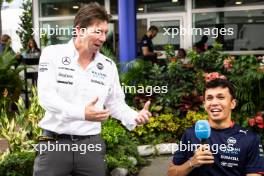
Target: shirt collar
[{"x": 73, "y": 51}]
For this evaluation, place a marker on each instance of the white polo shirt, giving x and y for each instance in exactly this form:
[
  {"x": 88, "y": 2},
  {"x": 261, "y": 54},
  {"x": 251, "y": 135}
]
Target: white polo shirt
[{"x": 64, "y": 89}]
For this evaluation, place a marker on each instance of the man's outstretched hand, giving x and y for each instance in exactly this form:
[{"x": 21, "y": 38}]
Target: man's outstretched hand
[{"x": 144, "y": 114}]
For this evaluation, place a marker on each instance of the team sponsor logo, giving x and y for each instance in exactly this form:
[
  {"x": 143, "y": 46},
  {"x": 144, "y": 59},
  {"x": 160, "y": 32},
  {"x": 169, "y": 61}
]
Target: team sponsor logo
[
  {"x": 97, "y": 82},
  {"x": 43, "y": 69},
  {"x": 226, "y": 164},
  {"x": 243, "y": 131},
  {"x": 66, "y": 60},
  {"x": 43, "y": 66},
  {"x": 233, "y": 158},
  {"x": 65, "y": 68},
  {"x": 231, "y": 140},
  {"x": 109, "y": 61},
  {"x": 64, "y": 75},
  {"x": 65, "y": 82},
  {"x": 98, "y": 75},
  {"x": 100, "y": 66}
]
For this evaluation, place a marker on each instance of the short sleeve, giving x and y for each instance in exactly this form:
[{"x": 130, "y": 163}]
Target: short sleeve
[
  {"x": 181, "y": 156},
  {"x": 255, "y": 159},
  {"x": 144, "y": 43}
]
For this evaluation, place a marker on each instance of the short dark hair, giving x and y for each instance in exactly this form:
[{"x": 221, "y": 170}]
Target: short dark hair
[
  {"x": 219, "y": 82},
  {"x": 153, "y": 28},
  {"x": 5, "y": 38},
  {"x": 89, "y": 13}
]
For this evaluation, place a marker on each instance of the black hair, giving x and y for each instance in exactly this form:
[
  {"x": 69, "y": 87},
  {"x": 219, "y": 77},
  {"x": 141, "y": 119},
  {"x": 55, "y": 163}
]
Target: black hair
[
  {"x": 204, "y": 39},
  {"x": 153, "y": 28},
  {"x": 219, "y": 82}
]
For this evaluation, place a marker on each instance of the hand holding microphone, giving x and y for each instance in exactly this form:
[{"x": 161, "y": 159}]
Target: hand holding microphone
[{"x": 203, "y": 155}]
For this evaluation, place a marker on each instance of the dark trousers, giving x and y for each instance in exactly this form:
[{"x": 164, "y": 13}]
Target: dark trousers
[{"x": 66, "y": 157}]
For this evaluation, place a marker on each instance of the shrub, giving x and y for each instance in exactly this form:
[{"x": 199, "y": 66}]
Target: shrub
[
  {"x": 17, "y": 164},
  {"x": 10, "y": 81},
  {"x": 166, "y": 127},
  {"x": 120, "y": 145}
]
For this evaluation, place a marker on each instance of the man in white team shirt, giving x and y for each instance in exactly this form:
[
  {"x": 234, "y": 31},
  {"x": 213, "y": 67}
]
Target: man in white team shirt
[{"x": 79, "y": 88}]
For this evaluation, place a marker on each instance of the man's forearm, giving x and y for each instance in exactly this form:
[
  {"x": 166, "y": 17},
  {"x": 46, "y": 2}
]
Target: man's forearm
[{"x": 180, "y": 170}]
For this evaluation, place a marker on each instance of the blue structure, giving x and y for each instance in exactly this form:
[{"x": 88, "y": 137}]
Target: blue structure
[{"x": 127, "y": 31}]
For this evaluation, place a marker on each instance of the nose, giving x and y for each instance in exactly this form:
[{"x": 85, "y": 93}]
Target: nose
[{"x": 214, "y": 102}]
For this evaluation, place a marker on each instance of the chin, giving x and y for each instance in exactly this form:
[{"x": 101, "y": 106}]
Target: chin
[{"x": 218, "y": 118}]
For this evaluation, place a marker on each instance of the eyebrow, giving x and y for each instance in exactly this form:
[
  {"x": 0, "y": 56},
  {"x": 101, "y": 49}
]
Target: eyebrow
[{"x": 220, "y": 94}]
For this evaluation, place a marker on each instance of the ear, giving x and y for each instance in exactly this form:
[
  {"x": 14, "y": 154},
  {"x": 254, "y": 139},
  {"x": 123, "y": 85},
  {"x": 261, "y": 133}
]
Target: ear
[{"x": 233, "y": 103}]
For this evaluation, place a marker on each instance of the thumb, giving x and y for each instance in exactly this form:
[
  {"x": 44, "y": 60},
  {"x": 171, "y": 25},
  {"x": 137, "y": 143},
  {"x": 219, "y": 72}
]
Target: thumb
[
  {"x": 146, "y": 106},
  {"x": 94, "y": 101}
]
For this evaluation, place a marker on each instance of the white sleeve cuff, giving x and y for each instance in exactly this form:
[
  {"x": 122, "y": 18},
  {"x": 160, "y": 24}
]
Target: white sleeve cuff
[
  {"x": 77, "y": 112},
  {"x": 130, "y": 121}
]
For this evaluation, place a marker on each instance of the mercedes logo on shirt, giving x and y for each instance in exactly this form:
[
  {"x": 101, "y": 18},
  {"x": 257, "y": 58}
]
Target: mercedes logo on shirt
[
  {"x": 66, "y": 60},
  {"x": 100, "y": 66}
]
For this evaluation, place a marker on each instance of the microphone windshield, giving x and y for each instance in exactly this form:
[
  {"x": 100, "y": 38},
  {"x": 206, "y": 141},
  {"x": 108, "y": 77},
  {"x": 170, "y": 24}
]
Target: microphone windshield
[{"x": 202, "y": 129}]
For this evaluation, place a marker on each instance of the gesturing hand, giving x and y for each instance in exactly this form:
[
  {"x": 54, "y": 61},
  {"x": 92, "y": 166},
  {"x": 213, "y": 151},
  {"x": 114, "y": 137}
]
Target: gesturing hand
[
  {"x": 144, "y": 114},
  {"x": 92, "y": 113}
]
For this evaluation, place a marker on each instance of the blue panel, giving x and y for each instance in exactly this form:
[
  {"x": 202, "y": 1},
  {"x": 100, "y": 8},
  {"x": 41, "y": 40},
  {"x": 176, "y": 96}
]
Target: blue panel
[{"x": 127, "y": 30}]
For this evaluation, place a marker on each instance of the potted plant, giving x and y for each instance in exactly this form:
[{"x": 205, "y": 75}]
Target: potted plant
[{"x": 170, "y": 52}]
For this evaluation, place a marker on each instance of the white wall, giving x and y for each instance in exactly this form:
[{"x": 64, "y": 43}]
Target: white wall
[{"x": 10, "y": 20}]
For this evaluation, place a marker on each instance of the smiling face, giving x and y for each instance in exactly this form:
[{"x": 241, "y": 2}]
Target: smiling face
[
  {"x": 219, "y": 104},
  {"x": 92, "y": 38}
]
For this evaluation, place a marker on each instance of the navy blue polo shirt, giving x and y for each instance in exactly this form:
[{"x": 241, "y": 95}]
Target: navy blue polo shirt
[
  {"x": 146, "y": 42},
  {"x": 236, "y": 151}
]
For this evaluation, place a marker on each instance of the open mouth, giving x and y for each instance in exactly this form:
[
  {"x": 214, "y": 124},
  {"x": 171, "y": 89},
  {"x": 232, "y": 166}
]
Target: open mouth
[
  {"x": 215, "y": 111},
  {"x": 97, "y": 45}
]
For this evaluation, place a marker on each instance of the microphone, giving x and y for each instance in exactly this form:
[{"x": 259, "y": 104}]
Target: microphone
[{"x": 202, "y": 130}]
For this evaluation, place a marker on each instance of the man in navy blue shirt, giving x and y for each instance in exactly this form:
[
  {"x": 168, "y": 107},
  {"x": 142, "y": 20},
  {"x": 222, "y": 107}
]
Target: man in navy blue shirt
[
  {"x": 146, "y": 45},
  {"x": 230, "y": 150}
]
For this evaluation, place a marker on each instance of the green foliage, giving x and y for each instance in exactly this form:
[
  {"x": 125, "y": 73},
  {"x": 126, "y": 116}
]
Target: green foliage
[
  {"x": 169, "y": 50},
  {"x": 44, "y": 39},
  {"x": 15, "y": 135},
  {"x": 29, "y": 118},
  {"x": 21, "y": 130},
  {"x": 113, "y": 133},
  {"x": 209, "y": 61},
  {"x": 25, "y": 27},
  {"x": 138, "y": 72},
  {"x": 120, "y": 146},
  {"x": 166, "y": 127},
  {"x": 249, "y": 83},
  {"x": 177, "y": 80},
  {"x": 10, "y": 81},
  {"x": 17, "y": 164}
]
